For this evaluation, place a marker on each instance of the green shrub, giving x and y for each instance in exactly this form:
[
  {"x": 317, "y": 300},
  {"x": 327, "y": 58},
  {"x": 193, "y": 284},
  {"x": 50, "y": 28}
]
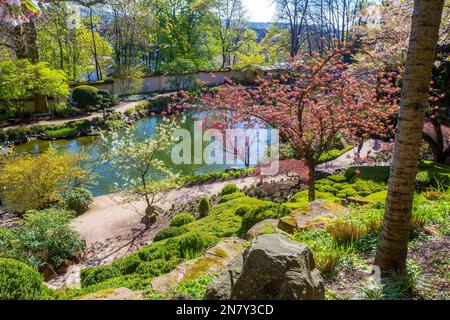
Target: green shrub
[
  {"x": 302, "y": 196},
  {"x": 231, "y": 196},
  {"x": 326, "y": 188},
  {"x": 156, "y": 267},
  {"x": 195, "y": 288},
  {"x": 44, "y": 237},
  {"x": 203, "y": 207},
  {"x": 78, "y": 200},
  {"x": 192, "y": 245},
  {"x": 242, "y": 210},
  {"x": 94, "y": 275},
  {"x": 86, "y": 96},
  {"x": 228, "y": 189},
  {"x": 19, "y": 281},
  {"x": 181, "y": 219},
  {"x": 168, "y": 233},
  {"x": 127, "y": 265},
  {"x": 378, "y": 174},
  {"x": 65, "y": 110},
  {"x": 269, "y": 211},
  {"x": 337, "y": 178}
]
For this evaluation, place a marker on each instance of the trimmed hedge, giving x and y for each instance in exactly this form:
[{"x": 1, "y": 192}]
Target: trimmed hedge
[
  {"x": 228, "y": 189},
  {"x": 19, "y": 281},
  {"x": 78, "y": 200},
  {"x": 181, "y": 219},
  {"x": 86, "y": 96},
  {"x": 231, "y": 196},
  {"x": 269, "y": 211},
  {"x": 93, "y": 275},
  {"x": 167, "y": 233}
]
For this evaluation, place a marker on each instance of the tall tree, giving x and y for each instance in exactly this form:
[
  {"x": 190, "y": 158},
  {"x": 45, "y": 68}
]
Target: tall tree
[
  {"x": 294, "y": 13},
  {"x": 393, "y": 245}
]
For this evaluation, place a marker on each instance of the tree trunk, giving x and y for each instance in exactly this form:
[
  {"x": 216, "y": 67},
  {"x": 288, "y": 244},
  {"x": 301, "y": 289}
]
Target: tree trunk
[
  {"x": 393, "y": 245},
  {"x": 311, "y": 183}
]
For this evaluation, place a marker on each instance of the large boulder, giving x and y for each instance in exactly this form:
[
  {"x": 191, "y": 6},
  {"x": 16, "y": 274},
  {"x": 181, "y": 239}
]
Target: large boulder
[
  {"x": 220, "y": 289},
  {"x": 276, "y": 267},
  {"x": 212, "y": 261},
  {"x": 311, "y": 216}
]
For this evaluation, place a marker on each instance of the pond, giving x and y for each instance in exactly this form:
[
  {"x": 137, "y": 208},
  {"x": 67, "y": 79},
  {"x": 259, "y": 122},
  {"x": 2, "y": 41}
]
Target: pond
[{"x": 104, "y": 174}]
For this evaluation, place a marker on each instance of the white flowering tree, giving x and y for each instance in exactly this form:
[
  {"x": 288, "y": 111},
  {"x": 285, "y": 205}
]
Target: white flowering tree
[{"x": 137, "y": 162}]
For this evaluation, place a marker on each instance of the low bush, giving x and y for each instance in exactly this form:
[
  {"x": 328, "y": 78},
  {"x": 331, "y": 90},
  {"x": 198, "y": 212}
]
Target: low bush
[
  {"x": 192, "y": 245},
  {"x": 228, "y": 189},
  {"x": 242, "y": 210},
  {"x": 94, "y": 275},
  {"x": 156, "y": 267},
  {"x": 231, "y": 196},
  {"x": 181, "y": 219},
  {"x": 168, "y": 233},
  {"x": 78, "y": 200},
  {"x": 195, "y": 288},
  {"x": 269, "y": 211},
  {"x": 43, "y": 237},
  {"x": 86, "y": 96},
  {"x": 65, "y": 110},
  {"x": 19, "y": 281},
  {"x": 127, "y": 265},
  {"x": 203, "y": 207}
]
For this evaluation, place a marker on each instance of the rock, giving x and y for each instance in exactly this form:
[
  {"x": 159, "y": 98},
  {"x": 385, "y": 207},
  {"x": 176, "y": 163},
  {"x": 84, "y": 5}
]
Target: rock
[
  {"x": 276, "y": 267},
  {"x": 114, "y": 294},
  {"x": 312, "y": 216},
  {"x": 210, "y": 262},
  {"x": 47, "y": 272},
  {"x": 356, "y": 201},
  {"x": 263, "y": 227},
  {"x": 220, "y": 289}
]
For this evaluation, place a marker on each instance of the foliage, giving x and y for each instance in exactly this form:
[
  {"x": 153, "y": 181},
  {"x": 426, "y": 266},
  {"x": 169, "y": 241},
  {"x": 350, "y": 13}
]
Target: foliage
[
  {"x": 242, "y": 210},
  {"x": 204, "y": 207},
  {"x": 167, "y": 233},
  {"x": 228, "y": 189},
  {"x": 65, "y": 110},
  {"x": 231, "y": 196},
  {"x": 34, "y": 182},
  {"x": 43, "y": 237},
  {"x": 192, "y": 245},
  {"x": 78, "y": 200},
  {"x": 85, "y": 96},
  {"x": 269, "y": 211},
  {"x": 181, "y": 219},
  {"x": 21, "y": 80},
  {"x": 195, "y": 288},
  {"x": 20, "y": 282},
  {"x": 94, "y": 275},
  {"x": 60, "y": 133}
]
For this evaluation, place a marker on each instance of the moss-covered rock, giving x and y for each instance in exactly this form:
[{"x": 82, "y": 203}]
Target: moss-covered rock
[{"x": 311, "y": 216}]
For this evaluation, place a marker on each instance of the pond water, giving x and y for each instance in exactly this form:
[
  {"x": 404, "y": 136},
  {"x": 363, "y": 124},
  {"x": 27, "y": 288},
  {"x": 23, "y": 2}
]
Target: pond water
[{"x": 104, "y": 174}]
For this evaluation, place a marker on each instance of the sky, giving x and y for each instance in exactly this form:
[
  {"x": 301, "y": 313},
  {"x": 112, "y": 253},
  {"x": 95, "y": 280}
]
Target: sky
[{"x": 260, "y": 10}]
